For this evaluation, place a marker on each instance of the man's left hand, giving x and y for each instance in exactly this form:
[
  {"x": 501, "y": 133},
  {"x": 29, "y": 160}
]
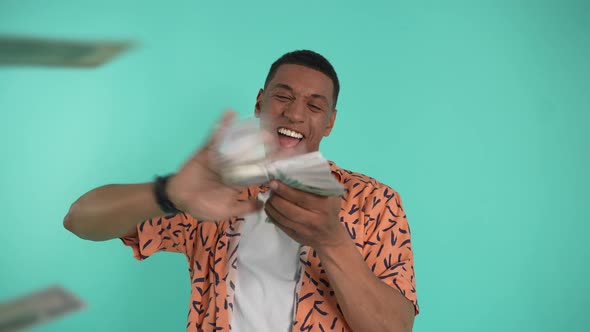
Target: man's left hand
[{"x": 307, "y": 218}]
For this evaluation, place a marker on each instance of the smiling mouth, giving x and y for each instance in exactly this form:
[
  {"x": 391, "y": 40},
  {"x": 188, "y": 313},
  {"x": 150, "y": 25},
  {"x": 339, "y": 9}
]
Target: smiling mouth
[{"x": 289, "y": 138}]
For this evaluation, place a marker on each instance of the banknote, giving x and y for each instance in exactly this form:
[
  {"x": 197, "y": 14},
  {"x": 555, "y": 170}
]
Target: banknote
[
  {"x": 309, "y": 172},
  {"x": 243, "y": 159},
  {"x": 242, "y": 143},
  {"x": 37, "y": 307},
  {"x": 29, "y": 51}
]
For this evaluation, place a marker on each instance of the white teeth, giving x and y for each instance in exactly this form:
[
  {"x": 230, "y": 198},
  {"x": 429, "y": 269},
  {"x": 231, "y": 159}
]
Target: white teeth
[{"x": 290, "y": 133}]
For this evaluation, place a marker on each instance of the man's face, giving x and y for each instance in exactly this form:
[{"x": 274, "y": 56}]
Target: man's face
[{"x": 297, "y": 108}]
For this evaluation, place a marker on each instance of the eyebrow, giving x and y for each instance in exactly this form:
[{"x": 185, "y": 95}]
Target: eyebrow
[
  {"x": 282, "y": 86},
  {"x": 287, "y": 87}
]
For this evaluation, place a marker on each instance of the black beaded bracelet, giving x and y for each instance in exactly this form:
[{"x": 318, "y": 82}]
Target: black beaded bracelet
[{"x": 162, "y": 197}]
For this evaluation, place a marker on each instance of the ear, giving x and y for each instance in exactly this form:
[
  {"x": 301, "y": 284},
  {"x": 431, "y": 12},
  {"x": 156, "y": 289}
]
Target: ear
[
  {"x": 330, "y": 123},
  {"x": 258, "y": 104}
]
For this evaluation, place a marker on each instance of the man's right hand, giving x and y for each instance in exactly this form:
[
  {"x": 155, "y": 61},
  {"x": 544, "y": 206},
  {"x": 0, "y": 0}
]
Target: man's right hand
[
  {"x": 113, "y": 211},
  {"x": 197, "y": 187}
]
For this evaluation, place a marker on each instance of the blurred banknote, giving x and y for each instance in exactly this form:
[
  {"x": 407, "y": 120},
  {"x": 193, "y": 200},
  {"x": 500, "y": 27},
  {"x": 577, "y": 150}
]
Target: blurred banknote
[
  {"x": 15, "y": 51},
  {"x": 36, "y": 308},
  {"x": 308, "y": 172},
  {"x": 244, "y": 159}
]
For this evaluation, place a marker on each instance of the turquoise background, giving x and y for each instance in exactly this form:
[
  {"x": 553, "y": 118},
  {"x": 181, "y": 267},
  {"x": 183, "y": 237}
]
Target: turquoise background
[{"x": 477, "y": 112}]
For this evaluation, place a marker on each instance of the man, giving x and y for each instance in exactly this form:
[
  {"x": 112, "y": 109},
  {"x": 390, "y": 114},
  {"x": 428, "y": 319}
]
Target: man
[{"x": 323, "y": 264}]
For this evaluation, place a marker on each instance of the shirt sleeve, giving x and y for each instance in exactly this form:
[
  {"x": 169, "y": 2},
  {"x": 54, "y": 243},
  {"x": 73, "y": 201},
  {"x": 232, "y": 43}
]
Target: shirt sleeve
[
  {"x": 388, "y": 246},
  {"x": 172, "y": 233}
]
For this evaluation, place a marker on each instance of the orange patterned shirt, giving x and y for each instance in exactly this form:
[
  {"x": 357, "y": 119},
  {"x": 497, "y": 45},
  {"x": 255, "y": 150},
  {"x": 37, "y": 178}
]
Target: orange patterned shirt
[{"x": 371, "y": 212}]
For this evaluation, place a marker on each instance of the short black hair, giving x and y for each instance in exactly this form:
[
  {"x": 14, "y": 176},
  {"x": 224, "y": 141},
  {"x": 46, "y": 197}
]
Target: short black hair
[{"x": 308, "y": 59}]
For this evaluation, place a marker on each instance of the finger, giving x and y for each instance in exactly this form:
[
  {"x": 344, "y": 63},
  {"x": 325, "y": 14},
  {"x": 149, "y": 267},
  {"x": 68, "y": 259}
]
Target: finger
[
  {"x": 216, "y": 137},
  {"x": 303, "y": 199},
  {"x": 281, "y": 220},
  {"x": 222, "y": 124},
  {"x": 290, "y": 232},
  {"x": 289, "y": 209}
]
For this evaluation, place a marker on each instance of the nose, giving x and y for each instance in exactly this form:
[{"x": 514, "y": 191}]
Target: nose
[{"x": 295, "y": 111}]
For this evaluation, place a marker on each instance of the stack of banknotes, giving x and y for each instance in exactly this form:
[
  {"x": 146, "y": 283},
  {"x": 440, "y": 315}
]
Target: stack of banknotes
[{"x": 245, "y": 157}]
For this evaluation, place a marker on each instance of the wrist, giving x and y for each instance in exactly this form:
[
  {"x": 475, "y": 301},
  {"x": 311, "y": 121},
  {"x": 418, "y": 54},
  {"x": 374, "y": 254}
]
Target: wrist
[
  {"x": 340, "y": 241},
  {"x": 165, "y": 195},
  {"x": 172, "y": 192}
]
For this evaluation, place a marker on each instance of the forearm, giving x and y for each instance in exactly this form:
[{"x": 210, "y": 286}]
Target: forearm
[
  {"x": 111, "y": 211},
  {"x": 367, "y": 303}
]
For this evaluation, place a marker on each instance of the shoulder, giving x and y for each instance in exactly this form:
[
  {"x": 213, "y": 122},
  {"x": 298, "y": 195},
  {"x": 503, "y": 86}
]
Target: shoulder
[
  {"x": 357, "y": 183},
  {"x": 368, "y": 195}
]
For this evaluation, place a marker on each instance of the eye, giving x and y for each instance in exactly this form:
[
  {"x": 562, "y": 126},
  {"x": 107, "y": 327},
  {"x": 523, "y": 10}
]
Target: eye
[
  {"x": 315, "y": 107},
  {"x": 282, "y": 97}
]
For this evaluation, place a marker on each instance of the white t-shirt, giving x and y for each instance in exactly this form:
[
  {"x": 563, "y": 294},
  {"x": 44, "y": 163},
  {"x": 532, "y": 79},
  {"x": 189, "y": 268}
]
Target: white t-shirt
[{"x": 266, "y": 277}]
